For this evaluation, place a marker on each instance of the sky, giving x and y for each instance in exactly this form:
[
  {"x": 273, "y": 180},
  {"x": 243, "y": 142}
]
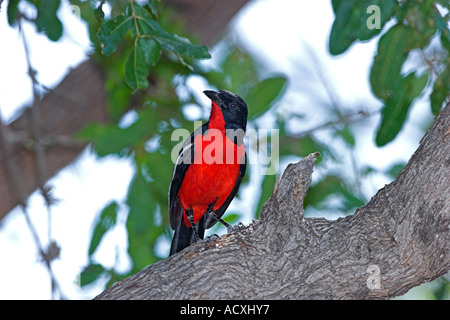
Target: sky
[{"x": 281, "y": 34}]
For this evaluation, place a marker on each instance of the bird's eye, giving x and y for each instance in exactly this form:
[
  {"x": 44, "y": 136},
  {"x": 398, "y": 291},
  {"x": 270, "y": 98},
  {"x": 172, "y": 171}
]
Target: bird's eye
[{"x": 233, "y": 106}]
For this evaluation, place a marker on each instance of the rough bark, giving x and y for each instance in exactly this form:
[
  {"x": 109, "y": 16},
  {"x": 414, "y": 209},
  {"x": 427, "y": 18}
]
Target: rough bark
[
  {"x": 401, "y": 236},
  {"x": 80, "y": 99}
]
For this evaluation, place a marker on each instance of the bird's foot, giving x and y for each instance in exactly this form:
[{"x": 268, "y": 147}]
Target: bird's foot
[
  {"x": 231, "y": 228},
  {"x": 196, "y": 238},
  {"x": 190, "y": 216},
  {"x": 212, "y": 237}
]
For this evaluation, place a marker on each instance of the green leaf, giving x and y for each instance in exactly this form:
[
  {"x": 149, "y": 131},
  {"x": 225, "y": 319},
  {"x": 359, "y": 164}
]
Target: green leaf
[
  {"x": 397, "y": 106},
  {"x": 111, "y": 139},
  {"x": 395, "y": 169},
  {"x": 318, "y": 194},
  {"x": 118, "y": 92},
  {"x": 444, "y": 3},
  {"x": 238, "y": 72},
  {"x": 231, "y": 217},
  {"x": 303, "y": 146},
  {"x": 12, "y": 12},
  {"x": 107, "y": 138},
  {"x": 111, "y": 32},
  {"x": 266, "y": 191},
  {"x": 180, "y": 45},
  {"x": 91, "y": 273},
  {"x": 103, "y": 223},
  {"x": 441, "y": 90},
  {"x": 347, "y": 135},
  {"x": 153, "y": 6},
  {"x": 393, "y": 49},
  {"x": 136, "y": 68},
  {"x": 47, "y": 19},
  {"x": 142, "y": 231},
  {"x": 351, "y": 200},
  {"x": 441, "y": 25},
  {"x": 98, "y": 12},
  {"x": 160, "y": 168},
  {"x": 352, "y": 20},
  {"x": 149, "y": 28},
  {"x": 152, "y": 50},
  {"x": 366, "y": 170},
  {"x": 141, "y": 204},
  {"x": 262, "y": 95},
  {"x": 419, "y": 16}
]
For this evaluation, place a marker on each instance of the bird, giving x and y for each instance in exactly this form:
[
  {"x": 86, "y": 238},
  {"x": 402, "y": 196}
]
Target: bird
[{"x": 208, "y": 170}]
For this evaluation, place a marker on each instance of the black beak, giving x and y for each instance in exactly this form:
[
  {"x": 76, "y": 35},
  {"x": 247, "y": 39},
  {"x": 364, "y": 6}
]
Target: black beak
[{"x": 213, "y": 95}]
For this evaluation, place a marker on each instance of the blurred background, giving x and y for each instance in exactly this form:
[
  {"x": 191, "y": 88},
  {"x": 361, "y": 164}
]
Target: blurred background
[{"x": 89, "y": 97}]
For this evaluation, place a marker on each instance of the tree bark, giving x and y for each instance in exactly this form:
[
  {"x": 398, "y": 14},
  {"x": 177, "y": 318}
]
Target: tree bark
[
  {"x": 80, "y": 99},
  {"x": 399, "y": 240}
]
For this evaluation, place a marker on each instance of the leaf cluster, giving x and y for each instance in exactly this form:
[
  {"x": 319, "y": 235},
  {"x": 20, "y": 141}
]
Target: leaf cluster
[
  {"x": 149, "y": 39},
  {"x": 411, "y": 27}
]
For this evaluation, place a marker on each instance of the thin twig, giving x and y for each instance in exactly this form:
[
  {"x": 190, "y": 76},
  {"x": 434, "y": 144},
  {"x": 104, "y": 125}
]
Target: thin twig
[
  {"x": 35, "y": 119},
  {"x": 16, "y": 183},
  {"x": 430, "y": 64},
  {"x": 133, "y": 15},
  {"x": 47, "y": 255},
  {"x": 354, "y": 117},
  {"x": 318, "y": 68},
  {"x": 23, "y": 139}
]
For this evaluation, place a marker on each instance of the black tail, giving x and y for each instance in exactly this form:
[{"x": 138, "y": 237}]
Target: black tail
[{"x": 184, "y": 236}]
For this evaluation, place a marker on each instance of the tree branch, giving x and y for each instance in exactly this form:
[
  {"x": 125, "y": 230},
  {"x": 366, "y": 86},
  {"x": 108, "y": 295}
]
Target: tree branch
[{"x": 399, "y": 240}]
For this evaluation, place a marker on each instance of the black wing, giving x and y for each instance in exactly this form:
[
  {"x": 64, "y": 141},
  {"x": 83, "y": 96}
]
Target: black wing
[
  {"x": 219, "y": 212},
  {"x": 184, "y": 160}
]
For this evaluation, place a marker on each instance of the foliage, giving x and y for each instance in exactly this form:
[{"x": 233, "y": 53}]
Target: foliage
[
  {"x": 418, "y": 27},
  {"x": 148, "y": 60},
  {"x": 410, "y": 28},
  {"x": 149, "y": 38}
]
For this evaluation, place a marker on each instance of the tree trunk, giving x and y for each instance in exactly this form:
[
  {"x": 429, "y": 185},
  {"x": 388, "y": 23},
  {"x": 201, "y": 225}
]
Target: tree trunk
[{"x": 399, "y": 240}]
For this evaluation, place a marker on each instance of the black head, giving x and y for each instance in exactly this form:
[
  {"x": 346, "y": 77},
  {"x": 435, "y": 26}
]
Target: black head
[{"x": 234, "y": 108}]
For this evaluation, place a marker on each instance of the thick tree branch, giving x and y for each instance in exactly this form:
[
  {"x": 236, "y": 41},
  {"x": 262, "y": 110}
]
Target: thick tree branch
[
  {"x": 78, "y": 100},
  {"x": 399, "y": 240}
]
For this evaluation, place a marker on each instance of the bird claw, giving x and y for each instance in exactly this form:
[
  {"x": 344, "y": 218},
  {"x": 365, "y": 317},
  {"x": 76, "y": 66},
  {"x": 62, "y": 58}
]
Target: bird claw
[
  {"x": 231, "y": 228},
  {"x": 196, "y": 238},
  {"x": 212, "y": 237}
]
